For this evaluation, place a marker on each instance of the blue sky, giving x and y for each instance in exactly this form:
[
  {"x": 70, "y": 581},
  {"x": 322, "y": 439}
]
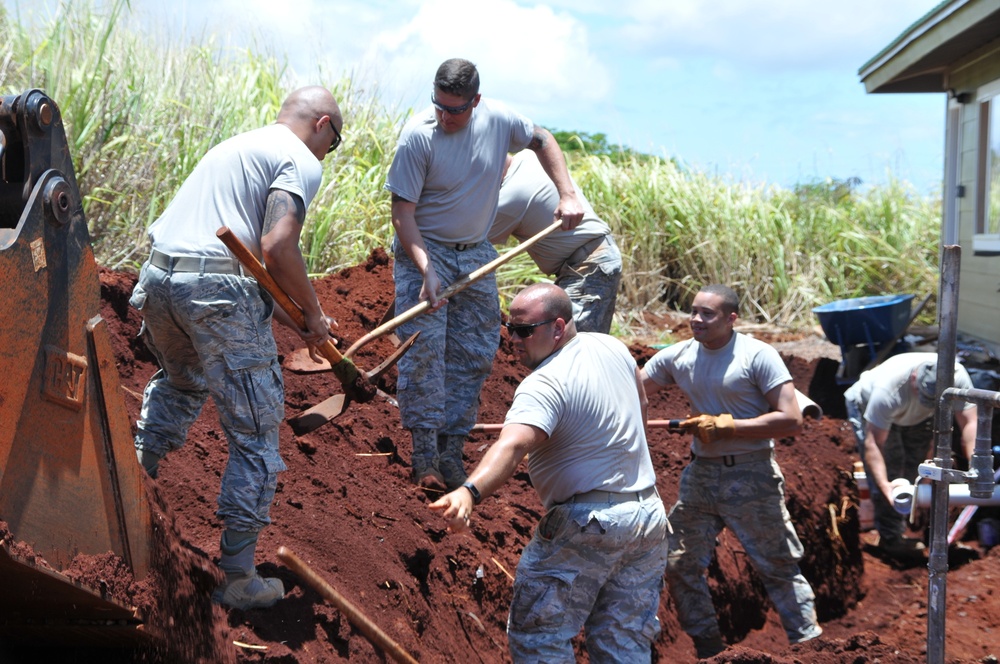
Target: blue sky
[{"x": 760, "y": 91}]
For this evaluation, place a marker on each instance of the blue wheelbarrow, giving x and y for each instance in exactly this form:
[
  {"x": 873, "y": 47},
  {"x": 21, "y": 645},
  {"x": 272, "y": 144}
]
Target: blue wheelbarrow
[{"x": 867, "y": 330}]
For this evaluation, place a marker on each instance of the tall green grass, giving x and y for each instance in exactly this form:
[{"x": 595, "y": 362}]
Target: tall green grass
[{"x": 140, "y": 110}]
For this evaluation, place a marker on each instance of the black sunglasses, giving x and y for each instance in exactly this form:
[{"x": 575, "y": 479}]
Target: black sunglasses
[
  {"x": 525, "y": 330},
  {"x": 336, "y": 138},
  {"x": 452, "y": 110}
]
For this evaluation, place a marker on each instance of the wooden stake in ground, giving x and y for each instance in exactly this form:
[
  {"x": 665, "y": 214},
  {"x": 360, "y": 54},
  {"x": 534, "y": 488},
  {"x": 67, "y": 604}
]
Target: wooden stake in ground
[{"x": 358, "y": 619}]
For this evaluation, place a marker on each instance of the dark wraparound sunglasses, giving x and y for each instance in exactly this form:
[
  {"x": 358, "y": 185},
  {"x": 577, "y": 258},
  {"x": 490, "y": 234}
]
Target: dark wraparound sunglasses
[
  {"x": 337, "y": 140},
  {"x": 452, "y": 110},
  {"x": 525, "y": 330}
]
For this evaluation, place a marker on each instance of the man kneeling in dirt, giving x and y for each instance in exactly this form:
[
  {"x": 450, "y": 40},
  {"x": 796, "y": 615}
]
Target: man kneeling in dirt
[
  {"x": 890, "y": 409},
  {"x": 596, "y": 560},
  {"x": 742, "y": 397}
]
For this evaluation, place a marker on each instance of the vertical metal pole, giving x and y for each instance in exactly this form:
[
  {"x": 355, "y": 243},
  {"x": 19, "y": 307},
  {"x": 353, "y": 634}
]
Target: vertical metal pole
[{"x": 937, "y": 564}]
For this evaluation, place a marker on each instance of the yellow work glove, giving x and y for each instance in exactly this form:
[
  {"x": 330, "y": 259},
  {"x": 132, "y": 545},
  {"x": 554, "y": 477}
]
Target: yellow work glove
[{"x": 710, "y": 428}]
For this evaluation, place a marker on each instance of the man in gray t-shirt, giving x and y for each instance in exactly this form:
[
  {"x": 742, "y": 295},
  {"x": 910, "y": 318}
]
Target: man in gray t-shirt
[
  {"x": 742, "y": 398},
  {"x": 584, "y": 260},
  {"x": 444, "y": 181},
  {"x": 596, "y": 560},
  {"x": 890, "y": 409}
]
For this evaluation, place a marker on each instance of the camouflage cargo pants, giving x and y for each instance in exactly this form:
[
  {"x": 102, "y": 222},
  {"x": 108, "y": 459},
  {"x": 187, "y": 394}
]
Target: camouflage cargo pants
[
  {"x": 440, "y": 378},
  {"x": 592, "y": 566},
  {"x": 592, "y": 286},
  {"x": 749, "y": 499},
  {"x": 212, "y": 335}
]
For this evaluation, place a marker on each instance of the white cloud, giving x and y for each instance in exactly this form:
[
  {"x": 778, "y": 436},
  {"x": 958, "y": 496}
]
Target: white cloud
[
  {"x": 527, "y": 56},
  {"x": 784, "y": 34}
]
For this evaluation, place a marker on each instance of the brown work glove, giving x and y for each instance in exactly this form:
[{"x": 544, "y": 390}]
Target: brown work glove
[{"x": 710, "y": 428}]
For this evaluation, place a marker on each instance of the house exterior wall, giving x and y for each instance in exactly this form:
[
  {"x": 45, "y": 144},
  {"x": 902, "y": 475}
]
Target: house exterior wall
[{"x": 979, "y": 285}]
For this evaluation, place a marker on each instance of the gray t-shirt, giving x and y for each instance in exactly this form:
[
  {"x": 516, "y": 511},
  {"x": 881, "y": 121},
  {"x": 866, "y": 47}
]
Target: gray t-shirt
[
  {"x": 584, "y": 396},
  {"x": 229, "y": 187},
  {"x": 732, "y": 379},
  {"x": 887, "y": 398},
  {"x": 528, "y": 198},
  {"x": 454, "y": 178}
]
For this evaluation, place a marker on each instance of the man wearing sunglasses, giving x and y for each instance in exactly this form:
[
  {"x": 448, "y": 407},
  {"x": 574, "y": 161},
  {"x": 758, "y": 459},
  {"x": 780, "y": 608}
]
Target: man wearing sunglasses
[
  {"x": 444, "y": 181},
  {"x": 597, "y": 557},
  {"x": 209, "y": 324},
  {"x": 742, "y": 397},
  {"x": 585, "y": 260}
]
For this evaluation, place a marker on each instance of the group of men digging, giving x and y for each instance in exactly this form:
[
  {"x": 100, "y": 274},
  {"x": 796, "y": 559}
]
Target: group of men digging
[{"x": 599, "y": 555}]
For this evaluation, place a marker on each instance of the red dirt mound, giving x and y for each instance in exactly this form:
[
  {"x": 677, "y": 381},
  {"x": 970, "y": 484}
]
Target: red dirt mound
[{"x": 346, "y": 508}]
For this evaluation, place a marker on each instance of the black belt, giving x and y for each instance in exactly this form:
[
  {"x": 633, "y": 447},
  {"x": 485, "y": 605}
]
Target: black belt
[
  {"x": 735, "y": 459},
  {"x": 611, "y": 497},
  {"x": 199, "y": 264},
  {"x": 585, "y": 250}
]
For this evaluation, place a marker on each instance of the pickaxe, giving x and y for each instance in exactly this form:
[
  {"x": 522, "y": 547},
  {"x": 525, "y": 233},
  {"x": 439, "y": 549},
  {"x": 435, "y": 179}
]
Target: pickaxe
[
  {"x": 327, "y": 410},
  {"x": 358, "y": 385}
]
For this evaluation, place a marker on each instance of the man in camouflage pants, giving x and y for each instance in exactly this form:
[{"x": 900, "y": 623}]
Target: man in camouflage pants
[
  {"x": 742, "y": 397},
  {"x": 444, "y": 181},
  {"x": 209, "y": 324},
  {"x": 597, "y": 557}
]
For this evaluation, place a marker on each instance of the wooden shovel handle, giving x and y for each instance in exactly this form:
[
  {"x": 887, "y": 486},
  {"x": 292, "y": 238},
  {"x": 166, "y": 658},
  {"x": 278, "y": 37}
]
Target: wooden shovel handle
[
  {"x": 260, "y": 273},
  {"x": 358, "y": 619},
  {"x": 455, "y": 287}
]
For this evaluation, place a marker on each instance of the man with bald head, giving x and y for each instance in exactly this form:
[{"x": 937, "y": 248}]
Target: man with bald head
[
  {"x": 597, "y": 558},
  {"x": 209, "y": 324}
]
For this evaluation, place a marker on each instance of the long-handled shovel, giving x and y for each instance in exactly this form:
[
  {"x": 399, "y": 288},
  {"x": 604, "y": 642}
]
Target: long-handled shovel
[
  {"x": 459, "y": 285},
  {"x": 353, "y": 614},
  {"x": 358, "y": 385},
  {"x": 325, "y": 411}
]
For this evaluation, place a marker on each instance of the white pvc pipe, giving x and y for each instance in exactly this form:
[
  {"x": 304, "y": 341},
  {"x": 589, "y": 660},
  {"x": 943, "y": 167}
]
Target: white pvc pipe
[
  {"x": 958, "y": 494},
  {"x": 808, "y": 407}
]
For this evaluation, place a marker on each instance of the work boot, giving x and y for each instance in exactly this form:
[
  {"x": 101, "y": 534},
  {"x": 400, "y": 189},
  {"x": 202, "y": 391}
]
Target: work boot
[
  {"x": 149, "y": 461},
  {"x": 425, "y": 460},
  {"x": 902, "y": 548},
  {"x": 450, "y": 450},
  {"x": 244, "y": 588},
  {"x": 708, "y": 646}
]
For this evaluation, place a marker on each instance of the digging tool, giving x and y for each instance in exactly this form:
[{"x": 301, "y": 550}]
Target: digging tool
[
  {"x": 672, "y": 425},
  {"x": 459, "y": 285},
  {"x": 329, "y": 409},
  {"x": 372, "y": 631},
  {"x": 358, "y": 385}
]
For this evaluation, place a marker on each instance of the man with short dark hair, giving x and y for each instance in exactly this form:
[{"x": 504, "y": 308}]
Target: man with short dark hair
[
  {"x": 444, "y": 181},
  {"x": 209, "y": 324},
  {"x": 742, "y": 398},
  {"x": 597, "y": 557},
  {"x": 891, "y": 408}
]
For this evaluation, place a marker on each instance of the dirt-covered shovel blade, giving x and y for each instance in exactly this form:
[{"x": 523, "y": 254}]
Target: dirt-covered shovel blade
[
  {"x": 315, "y": 417},
  {"x": 332, "y": 408}
]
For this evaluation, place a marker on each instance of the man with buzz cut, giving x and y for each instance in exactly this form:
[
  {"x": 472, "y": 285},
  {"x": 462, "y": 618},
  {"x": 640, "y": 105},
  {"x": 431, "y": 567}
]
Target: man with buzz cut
[
  {"x": 444, "y": 180},
  {"x": 742, "y": 398}
]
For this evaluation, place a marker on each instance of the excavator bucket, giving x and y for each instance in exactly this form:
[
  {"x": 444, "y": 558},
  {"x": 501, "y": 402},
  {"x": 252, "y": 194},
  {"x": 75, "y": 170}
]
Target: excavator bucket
[{"x": 69, "y": 480}]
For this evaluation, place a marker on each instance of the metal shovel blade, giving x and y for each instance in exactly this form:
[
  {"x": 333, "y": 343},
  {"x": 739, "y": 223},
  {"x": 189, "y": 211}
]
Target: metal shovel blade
[
  {"x": 315, "y": 417},
  {"x": 299, "y": 361}
]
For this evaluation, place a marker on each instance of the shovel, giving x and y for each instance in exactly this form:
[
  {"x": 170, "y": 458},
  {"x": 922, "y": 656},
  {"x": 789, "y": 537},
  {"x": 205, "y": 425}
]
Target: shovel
[
  {"x": 323, "y": 412},
  {"x": 358, "y": 385}
]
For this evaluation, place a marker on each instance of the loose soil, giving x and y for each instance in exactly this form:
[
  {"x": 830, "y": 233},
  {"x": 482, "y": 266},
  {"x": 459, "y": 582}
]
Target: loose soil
[{"x": 346, "y": 508}]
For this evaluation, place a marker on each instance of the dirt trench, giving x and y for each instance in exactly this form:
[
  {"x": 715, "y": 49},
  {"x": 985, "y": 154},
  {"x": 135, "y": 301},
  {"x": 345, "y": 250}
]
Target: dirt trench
[{"x": 346, "y": 508}]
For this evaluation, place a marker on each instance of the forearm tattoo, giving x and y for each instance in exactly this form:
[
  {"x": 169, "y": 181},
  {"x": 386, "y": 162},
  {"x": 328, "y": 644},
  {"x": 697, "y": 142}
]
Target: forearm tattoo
[
  {"x": 538, "y": 140},
  {"x": 279, "y": 204}
]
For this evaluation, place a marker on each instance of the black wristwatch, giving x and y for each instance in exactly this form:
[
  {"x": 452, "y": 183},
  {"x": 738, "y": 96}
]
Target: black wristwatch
[{"x": 476, "y": 496}]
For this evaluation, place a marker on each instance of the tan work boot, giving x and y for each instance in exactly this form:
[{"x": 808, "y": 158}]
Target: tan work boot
[
  {"x": 244, "y": 588},
  {"x": 249, "y": 592}
]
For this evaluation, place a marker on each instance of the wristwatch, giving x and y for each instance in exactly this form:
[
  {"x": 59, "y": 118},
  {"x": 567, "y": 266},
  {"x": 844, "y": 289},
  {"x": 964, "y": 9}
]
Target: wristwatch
[{"x": 476, "y": 496}]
